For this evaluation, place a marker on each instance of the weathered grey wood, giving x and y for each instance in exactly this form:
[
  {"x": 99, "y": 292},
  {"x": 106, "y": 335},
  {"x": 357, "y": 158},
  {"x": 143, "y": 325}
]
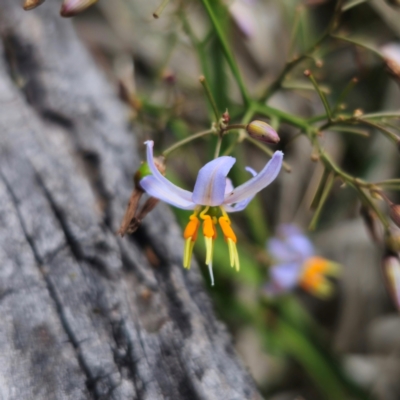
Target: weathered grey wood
[{"x": 84, "y": 315}]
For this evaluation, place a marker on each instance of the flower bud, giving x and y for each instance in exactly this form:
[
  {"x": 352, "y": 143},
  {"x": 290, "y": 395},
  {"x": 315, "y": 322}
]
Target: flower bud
[
  {"x": 391, "y": 53},
  {"x": 391, "y": 272},
  {"x": 70, "y": 8},
  {"x": 31, "y": 4},
  {"x": 263, "y": 132}
]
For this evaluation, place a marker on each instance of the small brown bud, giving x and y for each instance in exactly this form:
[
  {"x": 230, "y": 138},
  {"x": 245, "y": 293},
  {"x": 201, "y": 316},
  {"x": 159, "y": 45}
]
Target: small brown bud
[
  {"x": 263, "y": 132},
  {"x": 314, "y": 157},
  {"x": 307, "y": 73},
  {"x": 70, "y": 8},
  {"x": 226, "y": 117},
  {"x": 319, "y": 63},
  {"x": 31, "y": 4},
  {"x": 169, "y": 77},
  {"x": 358, "y": 113}
]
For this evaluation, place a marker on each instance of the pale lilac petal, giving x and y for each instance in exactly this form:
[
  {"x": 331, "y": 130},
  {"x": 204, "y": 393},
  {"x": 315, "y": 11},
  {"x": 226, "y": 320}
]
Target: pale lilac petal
[
  {"x": 209, "y": 189},
  {"x": 391, "y": 51},
  {"x": 283, "y": 278},
  {"x": 167, "y": 185},
  {"x": 280, "y": 251},
  {"x": 152, "y": 187},
  {"x": 228, "y": 186},
  {"x": 243, "y": 17},
  {"x": 257, "y": 183},
  {"x": 286, "y": 230},
  {"x": 301, "y": 245},
  {"x": 242, "y": 204}
]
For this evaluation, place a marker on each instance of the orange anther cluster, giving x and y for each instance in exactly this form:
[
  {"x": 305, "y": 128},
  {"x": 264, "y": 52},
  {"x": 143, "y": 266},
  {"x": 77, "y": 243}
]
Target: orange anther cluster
[
  {"x": 225, "y": 225},
  {"x": 192, "y": 228},
  {"x": 209, "y": 230}
]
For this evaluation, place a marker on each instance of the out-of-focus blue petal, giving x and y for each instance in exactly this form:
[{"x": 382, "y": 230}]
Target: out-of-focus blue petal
[
  {"x": 209, "y": 189},
  {"x": 301, "y": 245},
  {"x": 257, "y": 183},
  {"x": 167, "y": 185},
  {"x": 290, "y": 245},
  {"x": 280, "y": 251},
  {"x": 242, "y": 204},
  {"x": 152, "y": 186},
  {"x": 283, "y": 278},
  {"x": 286, "y": 230}
]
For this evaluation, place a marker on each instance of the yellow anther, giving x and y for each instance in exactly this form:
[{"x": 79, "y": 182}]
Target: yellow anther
[
  {"x": 192, "y": 228},
  {"x": 225, "y": 225},
  {"x": 187, "y": 255},
  {"x": 209, "y": 249},
  {"x": 233, "y": 254}
]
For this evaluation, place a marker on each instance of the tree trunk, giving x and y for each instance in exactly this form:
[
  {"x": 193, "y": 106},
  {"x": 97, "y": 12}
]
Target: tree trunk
[{"x": 85, "y": 314}]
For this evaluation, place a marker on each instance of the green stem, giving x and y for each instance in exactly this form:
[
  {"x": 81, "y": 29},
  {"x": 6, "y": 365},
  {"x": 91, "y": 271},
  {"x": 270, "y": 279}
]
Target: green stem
[
  {"x": 320, "y": 94},
  {"x": 267, "y": 151},
  {"x": 357, "y": 43},
  {"x": 227, "y": 51},
  {"x": 210, "y": 97},
  {"x": 182, "y": 142},
  {"x": 322, "y": 201},
  {"x": 352, "y": 4},
  {"x": 218, "y": 146},
  {"x": 160, "y": 9}
]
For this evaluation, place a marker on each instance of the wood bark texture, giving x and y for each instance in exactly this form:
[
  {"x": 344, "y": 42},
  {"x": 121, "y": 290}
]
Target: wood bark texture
[{"x": 85, "y": 314}]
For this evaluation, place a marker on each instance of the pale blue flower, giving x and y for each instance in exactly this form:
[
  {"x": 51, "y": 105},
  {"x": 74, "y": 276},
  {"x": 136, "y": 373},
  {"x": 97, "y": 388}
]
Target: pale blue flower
[
  {"x": 295, "y": 264},
  {"x": 212, "y": 198}
]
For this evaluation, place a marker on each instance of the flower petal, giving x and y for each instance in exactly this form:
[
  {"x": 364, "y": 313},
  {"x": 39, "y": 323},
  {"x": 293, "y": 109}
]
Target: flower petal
[
  {"x": 301, "y": 245},
  {"x": 257, "y": 183},
  {"x": 242, "y": 204},
  {"x": 152, "y": 186},
  {"x": 228, "y": 186},
  {"x": 209, "y": 189},
  {"x": 168, "y": 186},
  {"x": 284, "y": 277}
]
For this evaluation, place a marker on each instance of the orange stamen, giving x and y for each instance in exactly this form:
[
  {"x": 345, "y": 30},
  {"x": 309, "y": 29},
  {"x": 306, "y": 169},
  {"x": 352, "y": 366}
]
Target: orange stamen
[
  {"x": 225, "y": 225},
  {"x": 192, "y": 228},
  {"x": 209, "y": 230}
]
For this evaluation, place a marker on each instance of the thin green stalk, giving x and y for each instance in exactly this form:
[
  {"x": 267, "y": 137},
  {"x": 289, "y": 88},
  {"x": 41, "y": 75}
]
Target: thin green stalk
[
  {"x": 390, "y": 135},
  {"x": 358, "y": 43},
  {"x": 352, "y": 4},
  {"x": 227, "y": 51},
  {"x": 160, "y": 9},
  {"x": 383, "y": 114},
  {"x": 197, "y": 44},
  {"x": 267, "y": 151},
  {"x": 344, "y": 95},
  {"x": 286, "y": 117},
  {"x": 290, "y": 65},
  {"x": 210, "y": 96},
  {"x": 182, "y": 142},
  {"x": 312, "y": 360},
  {"x": 322, "y": 201},
  {"x": 369, "y": 203},
  {"x": 322, "y": 96},
  {"x": 218, "y": 146}
]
